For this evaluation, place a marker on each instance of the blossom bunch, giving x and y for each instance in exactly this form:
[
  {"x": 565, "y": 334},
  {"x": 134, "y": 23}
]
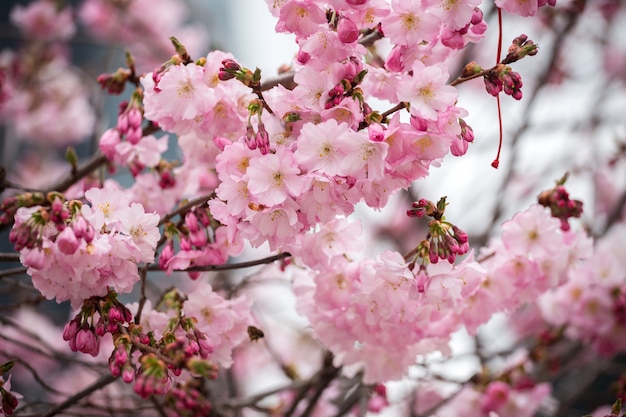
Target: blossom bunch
[
  {"x": 74, "y": 251},
  {"x": 368, "y": 106}
]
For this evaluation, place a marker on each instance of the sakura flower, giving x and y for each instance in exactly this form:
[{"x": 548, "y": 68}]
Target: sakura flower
[
  {"x": 521, "y": 7},
  {"x": 456, "y": 14},
  {"x": 181, "y": 94},
  {"x": 409, "y": 23},
  {"x": 147, "y": 151},
  {"x": 44, "y": 20},
  {"x": 322, "y": 147},
  {"x": 273, "y": 177},
  {"x": 142, "y": 228},
  {"x": 223, "y": 321},
  {"x": 532, "y": 233},
  {"x": 105, "y": 206},
  {"x": 301, "y": 17},
  {"x": 426, "y": 90}
]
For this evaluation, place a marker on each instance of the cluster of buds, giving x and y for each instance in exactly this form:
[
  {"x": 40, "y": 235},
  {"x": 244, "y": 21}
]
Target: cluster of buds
[
  {"x": 503, "y": 78},
  {"x": 444, "y": 240},
  {"x": 258, "y": 139},
  {"x": 521, "y": 47},
  {"x": 83, "y": 331},
  {"x": 152, "y": 362},
  {"x": 129, "y": 127},
  {"x": 57, "y": 217},
  {"x": 231, "y": 69},
  {"x": 193, "y": 233},
  {"x": 9, "y": 205},
  {"x": 185, "y": 400},
  {"x": 560, "y": 205},
  {"x": 455, "y": 38},
  {"x": 152, "y": 378},
  {"x": 167, "y": 179},
  {"x": 130, "y": 117},
  {"x": 114, "y": 83},
  {"x": 347, "y": 87}
]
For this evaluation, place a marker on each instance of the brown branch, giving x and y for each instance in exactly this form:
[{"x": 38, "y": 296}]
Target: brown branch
[
  {"x": 9, "y": 257},
  {"x": 82, "y": 171},
  {"x": 227, "y": 267},
  {"x": 192, "y": 203},
  {"x": 13, "y": 271},
  {"x": 99, "y": 384}
]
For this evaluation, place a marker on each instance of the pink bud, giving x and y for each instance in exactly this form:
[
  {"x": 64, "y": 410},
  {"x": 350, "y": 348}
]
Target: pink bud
[
  {"x": 347, "y": 31},
  {"x": 67, "y": 242},
  {"x": 166, "y": 254},
  {"x": 34, "y": 258},
  {"x": 191, "y": 221},
  {"x": 128, "y": 374},
  {"x": 376, "y": 132},
  {"x": 122, "y": 122},
  {"x": 221, "y": 142},
  {"x": 198, "y": 238},
  {"x": 71, "y": 329},
  {"x": 134, "y": 135},
  {"x": 87, "y": 342},
  {"x": 109, "y": 139},
  {"x": 120, "y": 356},
  {"x": 303, "y": 57},
  {"x": 134, "y": 118},
  {"x": 495, "y": 396}
]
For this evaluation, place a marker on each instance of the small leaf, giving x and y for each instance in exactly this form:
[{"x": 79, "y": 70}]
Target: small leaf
[{"x": 6, "y": 367}]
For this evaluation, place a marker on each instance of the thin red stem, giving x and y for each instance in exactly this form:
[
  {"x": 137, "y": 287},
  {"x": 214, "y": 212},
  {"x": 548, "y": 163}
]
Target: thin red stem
[{"x": 496, "y": 162}]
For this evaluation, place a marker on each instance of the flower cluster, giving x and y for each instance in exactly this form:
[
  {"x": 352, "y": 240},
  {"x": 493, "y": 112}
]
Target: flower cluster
[
  {"x": 74, "y": 251},
  {"x": 591, "y": 305}
]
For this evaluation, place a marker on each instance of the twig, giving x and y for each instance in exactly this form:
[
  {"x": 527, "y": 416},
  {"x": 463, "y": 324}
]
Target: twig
[
  {"x": 192, "y": 203},
  {"x": 12, "y": 271},
  {"x": 9, "y": 257},
  {"x": 82, "y": 171},
  {"x": 226, "y": 267},
  {"x": 99, "y": 384}
]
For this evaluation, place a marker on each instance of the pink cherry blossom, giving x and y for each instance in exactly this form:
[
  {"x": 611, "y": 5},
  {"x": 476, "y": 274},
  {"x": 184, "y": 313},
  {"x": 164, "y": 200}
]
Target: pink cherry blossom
[
  {"x": 409, "y": 23},
  {"x": 426, "y": 90},
  {"x": 274, "y": 177},
  {"x": 532, "y": 232}
]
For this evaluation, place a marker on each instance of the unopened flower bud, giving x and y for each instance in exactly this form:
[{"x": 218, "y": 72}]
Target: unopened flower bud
[
  {"x": 67, "y": 241},
  {"x": 347, "y": 31}
]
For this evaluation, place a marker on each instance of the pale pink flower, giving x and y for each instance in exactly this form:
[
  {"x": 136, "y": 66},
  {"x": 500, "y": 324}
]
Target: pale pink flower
[
  {"x": 277, "y": 225},
  {"x": 147, "y": 151},
  {"x": 521, "y": 7},
  {"x": 322, "y": 147},
  {"x": 426, "y": 90},
  {"x": 410, "y": 23},
  {"x": 223, "y": 321},
  {"x": 143, "y": 229},
  {"x": 274, "y": 177},
  {"x": 532, "y": 233},
  {"x": 106, "y": 204},
  {"x": 44, "y": 20},
  {"x": 365, "y": 158},
  {"x": 455, "y": 14},
  {"x": 301, "y": 17},
  {"x": 181, "y": 94}
]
